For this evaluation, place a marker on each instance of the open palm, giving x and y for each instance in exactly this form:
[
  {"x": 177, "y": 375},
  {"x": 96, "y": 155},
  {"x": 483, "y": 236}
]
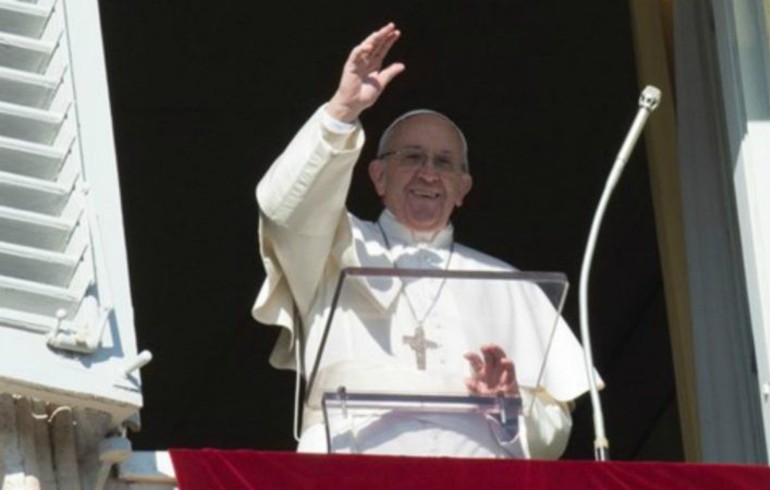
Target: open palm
[{"x": 363, "y": 78}]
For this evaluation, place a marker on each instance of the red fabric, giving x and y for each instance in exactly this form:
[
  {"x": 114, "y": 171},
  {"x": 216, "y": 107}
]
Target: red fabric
[{"x": 212, "y": 469}]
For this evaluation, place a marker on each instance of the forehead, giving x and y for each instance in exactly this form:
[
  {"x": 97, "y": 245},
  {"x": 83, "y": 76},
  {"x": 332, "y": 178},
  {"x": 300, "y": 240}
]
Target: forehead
[{"x": 427, "y": 131}]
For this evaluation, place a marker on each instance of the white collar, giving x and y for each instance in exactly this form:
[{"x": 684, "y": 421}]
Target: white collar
[
  {"x": 402, "y": 235},
  {"x": 401, "y": 238}
]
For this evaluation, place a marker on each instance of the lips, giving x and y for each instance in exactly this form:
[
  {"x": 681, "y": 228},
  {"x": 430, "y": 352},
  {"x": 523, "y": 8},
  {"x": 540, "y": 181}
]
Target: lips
[{"x": 425, "y": 194}]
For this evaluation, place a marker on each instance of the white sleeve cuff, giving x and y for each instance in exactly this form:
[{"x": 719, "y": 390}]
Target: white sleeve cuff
[
  {"x": 335, "y": 125},
  {"x": 508, "y": 435}
]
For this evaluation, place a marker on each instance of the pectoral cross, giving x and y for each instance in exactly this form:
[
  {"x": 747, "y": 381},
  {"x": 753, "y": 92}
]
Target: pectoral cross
[{"x": 419, "y": 345}]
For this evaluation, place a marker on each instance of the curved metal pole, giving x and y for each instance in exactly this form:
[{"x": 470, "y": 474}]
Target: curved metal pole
[{"x": 648, "y": 101}]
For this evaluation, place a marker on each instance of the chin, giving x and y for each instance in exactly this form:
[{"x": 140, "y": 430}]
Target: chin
[
  {"x": 426, "y": 222},
  {"x": 427, "y": 227}
]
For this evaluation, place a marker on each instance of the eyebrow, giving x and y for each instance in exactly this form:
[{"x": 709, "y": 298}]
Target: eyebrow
[{"x": 419, "y": 147}]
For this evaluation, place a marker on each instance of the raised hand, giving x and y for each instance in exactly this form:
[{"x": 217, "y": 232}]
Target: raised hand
[
  {"x": 363, "y": 78},
  {"x": 493, "y": 374}
]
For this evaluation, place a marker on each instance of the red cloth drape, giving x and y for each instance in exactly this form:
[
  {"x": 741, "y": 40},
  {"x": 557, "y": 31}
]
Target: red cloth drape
[{"x": 212, "y": 469}]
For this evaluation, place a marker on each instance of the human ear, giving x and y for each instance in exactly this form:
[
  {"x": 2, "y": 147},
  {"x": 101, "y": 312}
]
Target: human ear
[
  {"x": 377, "y": 175},
  {"x": 464, "y": 187}
]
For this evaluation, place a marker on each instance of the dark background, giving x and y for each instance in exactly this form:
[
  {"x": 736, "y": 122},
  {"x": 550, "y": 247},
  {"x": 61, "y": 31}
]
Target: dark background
[{"x": 206, "y": 94}]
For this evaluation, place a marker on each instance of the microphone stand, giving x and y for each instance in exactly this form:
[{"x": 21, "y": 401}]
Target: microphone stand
[{"x": 648, "y": 101}]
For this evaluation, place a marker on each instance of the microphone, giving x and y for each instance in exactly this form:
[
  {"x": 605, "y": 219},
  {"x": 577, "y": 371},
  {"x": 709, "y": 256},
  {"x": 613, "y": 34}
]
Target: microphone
[{"x": 648, "y": 102}]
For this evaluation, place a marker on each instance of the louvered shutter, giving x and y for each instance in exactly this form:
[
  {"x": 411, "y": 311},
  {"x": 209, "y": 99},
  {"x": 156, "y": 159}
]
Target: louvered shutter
[{"x": 66, "y": 321}]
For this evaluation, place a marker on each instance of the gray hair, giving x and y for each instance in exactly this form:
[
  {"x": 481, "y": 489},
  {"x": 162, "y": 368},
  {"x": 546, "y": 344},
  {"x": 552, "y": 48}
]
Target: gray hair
[{"x": 386, "y": 135}]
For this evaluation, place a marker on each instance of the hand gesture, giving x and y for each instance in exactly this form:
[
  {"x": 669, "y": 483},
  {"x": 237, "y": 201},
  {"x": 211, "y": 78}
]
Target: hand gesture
[
  {"x": 493, "y": 374},
  {"x": 363, "y": 78}
]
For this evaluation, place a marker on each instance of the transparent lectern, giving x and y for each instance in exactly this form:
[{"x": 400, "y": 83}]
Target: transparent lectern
[{"x": 389, "y": 369}]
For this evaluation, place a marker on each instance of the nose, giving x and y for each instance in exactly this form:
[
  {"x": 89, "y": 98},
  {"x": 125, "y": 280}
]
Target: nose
[{"x": 427, "y": 171}]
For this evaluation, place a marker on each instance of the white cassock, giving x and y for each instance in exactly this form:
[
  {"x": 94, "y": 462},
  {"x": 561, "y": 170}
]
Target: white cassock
[{"x": 307, "y": 237}]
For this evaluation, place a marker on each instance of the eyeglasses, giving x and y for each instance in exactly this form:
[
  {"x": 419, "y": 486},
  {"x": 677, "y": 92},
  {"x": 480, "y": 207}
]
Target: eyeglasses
[{"x": 414, "y": 158}]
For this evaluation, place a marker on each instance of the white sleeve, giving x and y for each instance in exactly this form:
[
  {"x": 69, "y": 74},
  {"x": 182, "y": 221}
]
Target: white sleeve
[
  {"x": 302, "y": 201},
  {"x": 306, "y": 187},
  {"x": 545, "y": 425},
  {"x": 542, "y": 432}
]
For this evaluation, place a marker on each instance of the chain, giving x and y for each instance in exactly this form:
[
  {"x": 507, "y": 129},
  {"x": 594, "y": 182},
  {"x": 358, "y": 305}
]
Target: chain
[{"x": 406, "y": 296}]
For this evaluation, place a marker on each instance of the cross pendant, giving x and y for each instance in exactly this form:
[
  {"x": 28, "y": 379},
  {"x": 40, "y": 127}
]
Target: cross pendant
[{"x": 419, "y": 345}]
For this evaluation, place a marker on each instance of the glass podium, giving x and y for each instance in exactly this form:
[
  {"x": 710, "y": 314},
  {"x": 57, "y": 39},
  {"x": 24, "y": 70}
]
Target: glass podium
[{"x": 390, "y": 370}]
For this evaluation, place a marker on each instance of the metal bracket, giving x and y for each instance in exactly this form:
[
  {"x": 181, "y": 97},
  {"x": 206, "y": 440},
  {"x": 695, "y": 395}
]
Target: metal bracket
[{"x": 79, "y": 335}]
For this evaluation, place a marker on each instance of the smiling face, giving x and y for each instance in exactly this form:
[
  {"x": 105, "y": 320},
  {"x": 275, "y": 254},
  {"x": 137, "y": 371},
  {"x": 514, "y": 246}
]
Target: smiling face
[{"x": 422, "y": 197}]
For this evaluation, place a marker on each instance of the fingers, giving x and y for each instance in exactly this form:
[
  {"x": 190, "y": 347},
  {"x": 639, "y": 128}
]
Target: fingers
[
  {"x": 362, "y": 80},
  {"x": 375, "y": 47},
  {"x": 473, "y": 386},
  {"x": 493, "y": 354},
  {"x": 477, "y": 365},
  {"x": 508, "y": 384},
  {"x": 381, "y": 40},
  {"x": 492, "y": 372},
  {"x": 390, "y": 73},
  {"x": 359, "y": 53},
  {"x": 383, "y": 44}
]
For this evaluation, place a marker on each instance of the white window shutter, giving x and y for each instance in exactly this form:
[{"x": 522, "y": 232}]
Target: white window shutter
[{"x": 66, "y": 320}]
